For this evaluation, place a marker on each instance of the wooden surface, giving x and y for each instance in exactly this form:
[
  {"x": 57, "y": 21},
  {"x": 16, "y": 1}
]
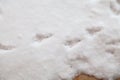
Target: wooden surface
[
  {"x": 87, "y": 77},
  {"x": 118, "y": 79}
]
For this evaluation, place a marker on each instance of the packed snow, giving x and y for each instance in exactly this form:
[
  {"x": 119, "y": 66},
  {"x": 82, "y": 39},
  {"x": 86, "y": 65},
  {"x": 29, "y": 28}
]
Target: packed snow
[{"x": 59, "y": 39}]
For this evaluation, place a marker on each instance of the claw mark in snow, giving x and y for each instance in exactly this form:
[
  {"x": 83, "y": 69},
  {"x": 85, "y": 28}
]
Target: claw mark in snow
[
  {"x": 6, "y": 47},
  {"x": 40, "y": 37}
]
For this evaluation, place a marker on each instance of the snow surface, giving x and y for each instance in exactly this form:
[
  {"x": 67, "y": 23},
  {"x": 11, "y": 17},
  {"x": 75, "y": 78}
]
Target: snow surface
[{"x": 58, "y": 39}]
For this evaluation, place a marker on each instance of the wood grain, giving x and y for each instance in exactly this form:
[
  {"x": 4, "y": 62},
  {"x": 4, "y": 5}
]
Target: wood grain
[{"x": 87, "y": 77}]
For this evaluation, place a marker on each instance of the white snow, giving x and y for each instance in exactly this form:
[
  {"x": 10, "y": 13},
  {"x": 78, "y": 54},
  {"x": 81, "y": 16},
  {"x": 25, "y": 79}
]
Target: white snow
[{"x": 57, "y": 39}]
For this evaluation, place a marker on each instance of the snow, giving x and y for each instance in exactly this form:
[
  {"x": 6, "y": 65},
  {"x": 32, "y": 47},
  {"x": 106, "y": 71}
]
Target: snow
[{"x": 58, "y": 39}]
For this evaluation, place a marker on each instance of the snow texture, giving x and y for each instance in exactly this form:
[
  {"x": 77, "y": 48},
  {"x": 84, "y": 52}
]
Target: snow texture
[{"x": 59, "y": 39}]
